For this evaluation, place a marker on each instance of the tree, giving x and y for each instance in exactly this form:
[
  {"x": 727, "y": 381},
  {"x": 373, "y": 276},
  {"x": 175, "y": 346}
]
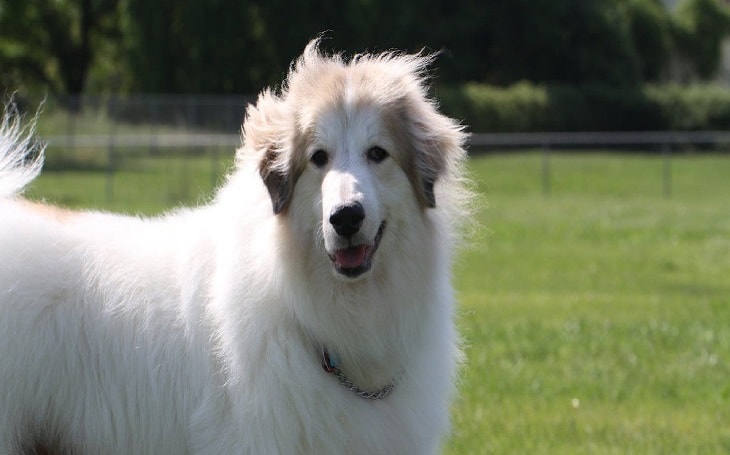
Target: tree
[
  {"x": 230, "y": 46},
  {"x": 650, "y": 27},
  {"x": 701, "y": 27},
  {"x": 559, "y": 41},
  {"x": 53, "y": 42},
  {"x": 215, "y": 46}
]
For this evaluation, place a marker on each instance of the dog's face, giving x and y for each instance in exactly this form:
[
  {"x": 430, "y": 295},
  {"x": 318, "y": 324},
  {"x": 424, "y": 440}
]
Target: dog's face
[
  {"x": 354, "y": 173},
  {"x": 351, "y": 152}
]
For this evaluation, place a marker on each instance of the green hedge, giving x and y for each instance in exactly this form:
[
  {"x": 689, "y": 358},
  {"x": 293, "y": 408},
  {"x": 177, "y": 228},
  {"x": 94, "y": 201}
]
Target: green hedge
[{"x": 528, "y": 107}]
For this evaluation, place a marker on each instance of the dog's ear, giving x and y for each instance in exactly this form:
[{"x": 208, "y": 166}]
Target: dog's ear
[
  {"x": 429, "y": 166},
  {"x": 428, "y": 193},
  {"x": 265, "y": 134},
  {"x": 277, "y": 182},
  {"x": 438, "y": 144}
]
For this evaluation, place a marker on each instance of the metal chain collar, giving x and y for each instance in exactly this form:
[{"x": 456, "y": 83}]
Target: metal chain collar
[{"x": 329, "y": 367}]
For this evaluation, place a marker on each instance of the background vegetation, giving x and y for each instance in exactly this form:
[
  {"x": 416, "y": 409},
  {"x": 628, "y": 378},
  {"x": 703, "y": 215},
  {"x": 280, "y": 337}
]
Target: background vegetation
[
  {"x": 563, "y": 58},
  {"x": 525, "y": 106}
]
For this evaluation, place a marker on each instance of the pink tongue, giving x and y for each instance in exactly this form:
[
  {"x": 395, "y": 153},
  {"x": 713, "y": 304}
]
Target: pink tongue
[{"x": 351, "y": 258}]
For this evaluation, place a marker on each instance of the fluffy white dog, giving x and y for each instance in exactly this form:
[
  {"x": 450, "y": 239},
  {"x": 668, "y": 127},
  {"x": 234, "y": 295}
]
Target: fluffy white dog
[{"x": 308, "y": 309}]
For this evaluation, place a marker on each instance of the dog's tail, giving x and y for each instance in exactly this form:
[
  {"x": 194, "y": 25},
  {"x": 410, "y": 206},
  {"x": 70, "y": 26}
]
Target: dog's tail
[{"x": 21, "y": 155}]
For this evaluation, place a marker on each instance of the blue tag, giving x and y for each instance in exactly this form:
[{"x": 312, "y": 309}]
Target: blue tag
[{"x": 334, "y": 360}]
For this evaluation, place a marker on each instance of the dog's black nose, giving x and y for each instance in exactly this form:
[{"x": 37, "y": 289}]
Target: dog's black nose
[{"x": 347, "y": 219}]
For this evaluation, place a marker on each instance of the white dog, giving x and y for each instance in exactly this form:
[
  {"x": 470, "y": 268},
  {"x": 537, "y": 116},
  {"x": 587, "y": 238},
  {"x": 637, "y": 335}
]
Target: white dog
[{"x": 306, "y": 310}]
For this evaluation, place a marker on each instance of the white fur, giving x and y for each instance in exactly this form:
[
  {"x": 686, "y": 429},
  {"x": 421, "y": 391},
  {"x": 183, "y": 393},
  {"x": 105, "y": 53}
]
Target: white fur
[{"x": 200, "y": 331}]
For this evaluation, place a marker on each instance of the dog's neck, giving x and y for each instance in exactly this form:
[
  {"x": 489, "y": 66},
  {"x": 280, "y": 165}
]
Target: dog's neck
[
  {"x": 331, "y": 364},
  {"x": 376, "y": 325}
]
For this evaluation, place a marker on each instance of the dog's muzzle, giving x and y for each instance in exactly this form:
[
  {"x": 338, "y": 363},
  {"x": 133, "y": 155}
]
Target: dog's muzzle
[{"x": 357, "y": 259}]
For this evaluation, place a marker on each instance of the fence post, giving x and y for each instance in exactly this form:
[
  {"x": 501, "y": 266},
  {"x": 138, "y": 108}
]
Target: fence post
[
  {"x": 214, "y": 154},
  {"x": 667, "y": 170},
  {"x": 110, "y": 151},
  {"x": 71, "y": 123},
  {"x": 546, "y": 169}
]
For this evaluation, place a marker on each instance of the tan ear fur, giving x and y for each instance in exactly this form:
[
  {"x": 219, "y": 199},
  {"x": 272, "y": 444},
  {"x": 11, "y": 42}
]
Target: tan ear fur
[
  {"x": 434, "y": 143},
  {"x": 265, "y": 135},
  {"x": 438, "y": 143}
]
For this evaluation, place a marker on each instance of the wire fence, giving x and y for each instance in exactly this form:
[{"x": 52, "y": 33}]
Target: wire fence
[
  {"x": 664, "y": 142},
  {"x": 101, "y": 133}
]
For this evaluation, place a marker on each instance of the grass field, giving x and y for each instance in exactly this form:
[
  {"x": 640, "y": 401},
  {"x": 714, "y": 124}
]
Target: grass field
[
  {"x": 596, "y": 320},
  {"x": 142, "y": 183}
]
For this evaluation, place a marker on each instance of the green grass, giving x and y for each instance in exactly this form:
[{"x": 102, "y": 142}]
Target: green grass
[
  {"x": 595, "y": 320},
  {"x": 140, "y": 184}
]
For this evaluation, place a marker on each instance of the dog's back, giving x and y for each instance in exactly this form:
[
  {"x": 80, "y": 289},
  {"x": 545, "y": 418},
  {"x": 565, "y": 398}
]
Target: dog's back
[{"x": 78, "y": 289}]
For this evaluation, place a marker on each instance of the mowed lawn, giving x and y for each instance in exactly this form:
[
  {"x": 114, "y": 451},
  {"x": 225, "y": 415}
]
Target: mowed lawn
[{"x": 595, "y": 320}]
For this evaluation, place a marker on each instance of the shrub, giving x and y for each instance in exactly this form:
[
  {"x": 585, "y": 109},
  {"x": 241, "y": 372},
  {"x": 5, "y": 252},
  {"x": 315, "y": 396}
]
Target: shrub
[
  {"x": 692, "y": 108},
  {"x": 526, "y": 107}
]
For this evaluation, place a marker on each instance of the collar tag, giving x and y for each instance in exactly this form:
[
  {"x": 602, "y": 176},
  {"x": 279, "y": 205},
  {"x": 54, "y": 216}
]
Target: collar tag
[{"x": 329, "y": 362}]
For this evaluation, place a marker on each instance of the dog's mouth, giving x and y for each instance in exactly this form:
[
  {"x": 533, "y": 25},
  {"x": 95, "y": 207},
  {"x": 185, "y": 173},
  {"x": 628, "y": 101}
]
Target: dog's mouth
[{"x": 355, "y": 260}]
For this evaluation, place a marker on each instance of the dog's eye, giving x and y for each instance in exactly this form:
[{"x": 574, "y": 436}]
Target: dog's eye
[
  {"x": 377, "y": 154},
  {"x": 319, "y": 158}
]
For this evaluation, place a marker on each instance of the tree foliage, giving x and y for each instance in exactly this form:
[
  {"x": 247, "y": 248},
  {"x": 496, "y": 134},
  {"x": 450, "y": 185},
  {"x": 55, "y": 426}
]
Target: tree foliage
[
  {"x": 650, "y": 27},
  {"x": 701, "y": 26},
  {"x": 228, "y": 46},
  {"x": 559, "y": 41},
  {"x": 53, "y": 42}
]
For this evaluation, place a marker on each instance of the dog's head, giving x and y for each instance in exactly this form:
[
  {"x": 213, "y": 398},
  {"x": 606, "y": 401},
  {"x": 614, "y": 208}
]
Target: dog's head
[{"x": 355, "y": 148}]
